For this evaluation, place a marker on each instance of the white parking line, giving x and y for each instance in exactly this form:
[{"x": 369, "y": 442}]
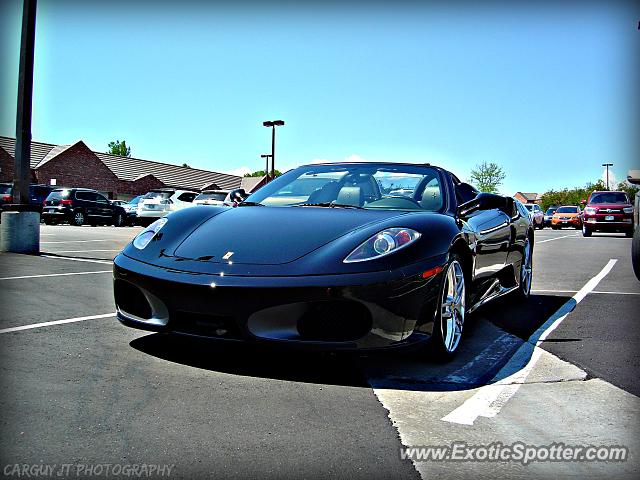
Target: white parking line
[
  {"x": 590, "y": 293},
  {"x": 490, "y": 355},
  {"x": 557, "y": 238},
  {"x": 489, "y": 400},
  {"x": 88, "y": 260},
  {"x": 83, "y": 241},
  {"x": 55, "y": 275},
  {"x": 84, "y": 251},
  {"x": 56, "y": 322}
]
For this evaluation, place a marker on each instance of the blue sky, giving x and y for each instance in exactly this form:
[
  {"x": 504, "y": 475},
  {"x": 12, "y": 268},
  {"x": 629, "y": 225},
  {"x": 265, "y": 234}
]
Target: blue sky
[{"x": 548, "y": 92}]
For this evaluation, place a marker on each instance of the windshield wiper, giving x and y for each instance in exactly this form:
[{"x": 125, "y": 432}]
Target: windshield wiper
[
  {"x": 330, "y": 205},
  {"x": 251, "y": 204}
]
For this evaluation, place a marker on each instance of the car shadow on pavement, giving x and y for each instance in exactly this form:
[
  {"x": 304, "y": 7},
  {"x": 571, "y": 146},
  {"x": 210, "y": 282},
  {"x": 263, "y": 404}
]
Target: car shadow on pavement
[{"x": 493, "y": 335}]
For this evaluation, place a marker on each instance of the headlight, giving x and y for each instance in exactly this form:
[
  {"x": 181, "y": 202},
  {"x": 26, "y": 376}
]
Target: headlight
[
  {"x": 627, "y": 209},
  {"x": 147, "y": 235},
  {"x": 384, "y": 243},
  {"x": 590, "y": 211}
]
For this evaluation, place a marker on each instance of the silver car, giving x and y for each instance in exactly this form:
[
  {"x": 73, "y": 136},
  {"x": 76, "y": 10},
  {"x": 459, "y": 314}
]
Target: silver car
[{"x": 536, "y": 214}]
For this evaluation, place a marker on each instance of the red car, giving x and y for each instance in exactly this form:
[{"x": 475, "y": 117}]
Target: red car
[{"x": 608, "y": 212}]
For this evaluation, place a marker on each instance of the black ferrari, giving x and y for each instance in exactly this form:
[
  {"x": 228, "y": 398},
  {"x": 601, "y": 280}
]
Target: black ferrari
[{"x": 338, "y": 256}]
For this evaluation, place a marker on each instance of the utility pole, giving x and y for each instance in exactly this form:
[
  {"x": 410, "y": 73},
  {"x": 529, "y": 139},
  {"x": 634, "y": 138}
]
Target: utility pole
[
  {"x": 20, "y": 230},
  {"x": 266, "y": 166},
  {"x": 273, "y": 124},
  {"x": 25, "y": 96},
  {"x": 607, "y": 165}
]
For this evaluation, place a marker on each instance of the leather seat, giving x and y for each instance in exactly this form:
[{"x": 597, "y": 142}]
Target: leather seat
[{"x": 350, "y": 196}]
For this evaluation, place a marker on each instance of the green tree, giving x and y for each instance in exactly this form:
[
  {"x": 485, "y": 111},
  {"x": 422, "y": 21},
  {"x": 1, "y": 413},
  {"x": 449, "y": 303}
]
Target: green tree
[
  {"x": 119, "y": 148},
  {"x": 186, "y": 165},
  {"x": 488, "y": 177},
  {"x": 260, "y": 173},
  {"x": 630, "y": 189},
  {"x": 569, "y": 196}
]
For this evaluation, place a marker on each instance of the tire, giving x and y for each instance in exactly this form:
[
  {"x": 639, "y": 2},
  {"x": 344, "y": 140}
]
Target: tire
[
  {"x": 526, "y": 271},
  {"x": 118, "y": 220},
  {"x": 635, "y": 253},
  {"x": 586, "y": 231},
  {"x": 78, "y": 219},
  {"x": 48, "y": 222},
  {"x": 450, "y": 313}
]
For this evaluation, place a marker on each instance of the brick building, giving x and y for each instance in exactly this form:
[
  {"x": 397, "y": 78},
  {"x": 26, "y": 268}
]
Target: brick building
[
  {"x": 118, "y": 177},
  {"x": 528, "y": 197}
]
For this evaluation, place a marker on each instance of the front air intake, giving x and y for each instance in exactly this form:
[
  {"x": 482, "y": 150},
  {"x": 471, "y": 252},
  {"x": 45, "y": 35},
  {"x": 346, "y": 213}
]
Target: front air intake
[
  {"x": 334, "y": 321},
  {"x": 131, "y": 300}
]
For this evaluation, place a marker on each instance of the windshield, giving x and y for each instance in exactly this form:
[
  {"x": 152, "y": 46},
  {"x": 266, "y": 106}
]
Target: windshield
[
  {"x": 161, "y": 195},
  {"x": 58, "y": 194},
  {"x": 567, "y": 210},
  {"x": 370, "y": 186},
  {"x": 212, "y": 196},
  {"x": 609, "y": 197},
  {"x": 551, "y": 211}
]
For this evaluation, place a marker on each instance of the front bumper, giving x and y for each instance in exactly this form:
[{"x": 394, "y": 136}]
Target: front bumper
[
  {"x": 351, "y": 311},
  {"x": 618, "y": 224},
  {"x": 569, "y": 222}
]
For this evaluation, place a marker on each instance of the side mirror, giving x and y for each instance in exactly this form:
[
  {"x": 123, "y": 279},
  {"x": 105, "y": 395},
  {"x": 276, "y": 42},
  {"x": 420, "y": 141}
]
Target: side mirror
[
  {"x": 583, "y": 202},
  {"x": 484, "y": 201}
]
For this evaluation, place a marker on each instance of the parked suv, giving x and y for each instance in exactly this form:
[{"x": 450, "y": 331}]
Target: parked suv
[
  {"x": 607, "y": 212},
  {"x": 536, "y": 215},
  {"x": 158, "y": 203},
  {"x": 37, "y": 194},
  {"x": 79, "y": 206},
  {"x": 212, "y": 197}
]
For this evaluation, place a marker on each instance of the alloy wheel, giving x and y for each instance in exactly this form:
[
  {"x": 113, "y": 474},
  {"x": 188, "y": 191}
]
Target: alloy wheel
[
  {"x": 452, "y": 310},
  {"x": 78, "y": 218},
  {"x": 526, "y": 269}
]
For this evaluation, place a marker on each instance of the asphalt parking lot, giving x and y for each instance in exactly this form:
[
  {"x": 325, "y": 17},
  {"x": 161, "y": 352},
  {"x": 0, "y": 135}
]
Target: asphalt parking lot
[{"x": 79, "y": 388}]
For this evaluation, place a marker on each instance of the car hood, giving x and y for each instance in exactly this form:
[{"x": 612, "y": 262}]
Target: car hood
[
  {"x": 573, "y": 214},
  {"x": 273, "y": 235},
  {"x": 612, "y": 206}
]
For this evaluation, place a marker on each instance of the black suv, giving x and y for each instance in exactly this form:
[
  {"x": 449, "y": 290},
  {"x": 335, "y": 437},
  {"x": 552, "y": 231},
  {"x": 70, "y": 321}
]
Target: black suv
[
  {"x": 37, "y": 194},
  {"x": 79, "y": 206}
]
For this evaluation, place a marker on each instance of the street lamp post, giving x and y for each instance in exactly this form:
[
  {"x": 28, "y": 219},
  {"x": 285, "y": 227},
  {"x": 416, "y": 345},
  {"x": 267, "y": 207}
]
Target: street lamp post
[
  {"x": 20, "y": 228},
  {"x": 273, "y": 124},
  {"x": 266, "y": 157},
  {"x": 607, "y": 165}
]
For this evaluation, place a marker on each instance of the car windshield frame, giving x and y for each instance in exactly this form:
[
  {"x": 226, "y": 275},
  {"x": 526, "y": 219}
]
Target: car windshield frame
[
  {"x": 568, "y": 209},
  {"x": 58, "y": 194},
  {"x": 158, "y": 194},
  {"x": 216, "y": 196},
  {"x": 596, "y": 196},
  {"x": 375, "y": 181}
]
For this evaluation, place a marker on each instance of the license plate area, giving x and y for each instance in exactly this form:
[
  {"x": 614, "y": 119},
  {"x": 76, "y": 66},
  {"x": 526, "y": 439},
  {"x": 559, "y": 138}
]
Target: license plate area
[{"x": 609, "y": 218}]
